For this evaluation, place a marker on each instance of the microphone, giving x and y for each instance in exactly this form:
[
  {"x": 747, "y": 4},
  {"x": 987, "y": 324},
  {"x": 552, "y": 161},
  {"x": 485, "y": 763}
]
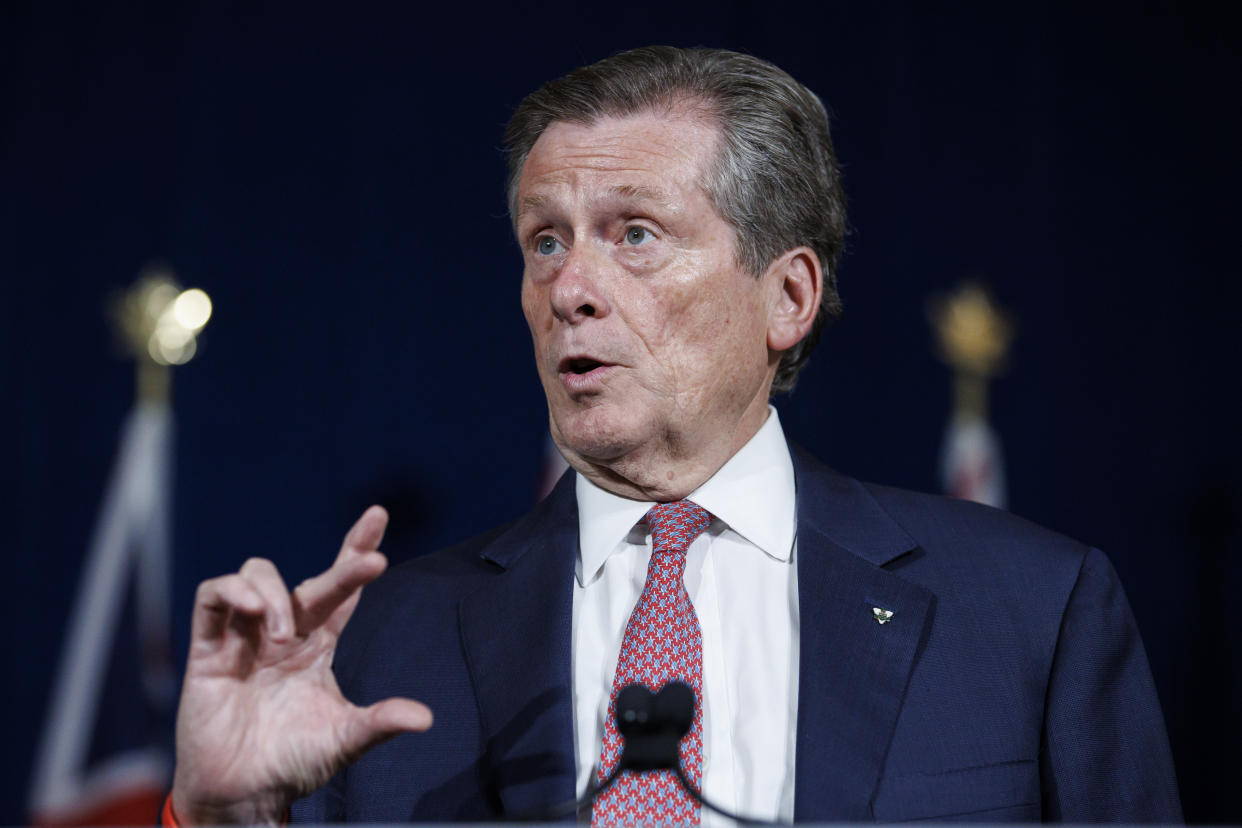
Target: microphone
[{"x": 651, "y": 727}]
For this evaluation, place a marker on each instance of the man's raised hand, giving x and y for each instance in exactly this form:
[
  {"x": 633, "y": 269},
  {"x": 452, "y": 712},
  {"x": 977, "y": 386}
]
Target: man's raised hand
[{"x": 261, "y": 720}]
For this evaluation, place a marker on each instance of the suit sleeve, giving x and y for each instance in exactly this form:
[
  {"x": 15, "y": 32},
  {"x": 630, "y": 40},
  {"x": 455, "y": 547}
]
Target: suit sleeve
[{"x": 1105, "y": 754}]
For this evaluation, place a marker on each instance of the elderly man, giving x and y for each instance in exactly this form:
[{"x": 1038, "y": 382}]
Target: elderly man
[{"x": 856, "y": 652}]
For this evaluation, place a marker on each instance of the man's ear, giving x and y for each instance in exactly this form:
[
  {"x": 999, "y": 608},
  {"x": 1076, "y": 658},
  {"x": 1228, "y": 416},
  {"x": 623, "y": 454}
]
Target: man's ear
[{"x": 797, "y": 280}]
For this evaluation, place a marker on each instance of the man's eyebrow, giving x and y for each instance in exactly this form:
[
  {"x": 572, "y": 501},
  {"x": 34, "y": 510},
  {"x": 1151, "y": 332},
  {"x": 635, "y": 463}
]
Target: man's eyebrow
[
  {"x": 631, "y": 192},
  {"x": 640, "y": 193},
  {"x": 531, "y": 202}
]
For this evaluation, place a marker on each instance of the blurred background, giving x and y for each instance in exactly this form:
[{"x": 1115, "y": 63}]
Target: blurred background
[{"x": 330, "y": 175}]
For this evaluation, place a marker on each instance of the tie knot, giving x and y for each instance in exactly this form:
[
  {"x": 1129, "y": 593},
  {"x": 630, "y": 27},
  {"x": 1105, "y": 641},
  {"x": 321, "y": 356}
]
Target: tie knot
[{"x": 675, "y": 525}]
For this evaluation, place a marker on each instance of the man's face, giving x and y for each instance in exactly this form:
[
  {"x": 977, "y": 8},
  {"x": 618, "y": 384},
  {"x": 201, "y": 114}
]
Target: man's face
[{"x": 650, "y": 340}]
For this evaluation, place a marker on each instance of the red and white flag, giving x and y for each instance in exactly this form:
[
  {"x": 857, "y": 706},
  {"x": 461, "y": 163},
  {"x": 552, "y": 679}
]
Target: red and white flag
[
  {"x": 971, "y": 464},
  {"x": 105, "y": 752}
]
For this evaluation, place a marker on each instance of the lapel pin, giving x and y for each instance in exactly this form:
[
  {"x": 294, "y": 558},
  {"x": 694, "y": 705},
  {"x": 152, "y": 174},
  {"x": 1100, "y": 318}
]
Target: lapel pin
[{"x": 882, "y": 616}]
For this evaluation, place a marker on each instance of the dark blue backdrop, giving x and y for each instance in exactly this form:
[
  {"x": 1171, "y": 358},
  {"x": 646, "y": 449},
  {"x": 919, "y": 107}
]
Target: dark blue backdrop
[{"x": 331, "y": 175}]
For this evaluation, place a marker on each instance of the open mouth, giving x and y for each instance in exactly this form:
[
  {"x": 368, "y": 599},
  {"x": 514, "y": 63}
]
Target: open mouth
[
  {"x": 580, "y": 365},
  {"x": 582, "y": 373}
]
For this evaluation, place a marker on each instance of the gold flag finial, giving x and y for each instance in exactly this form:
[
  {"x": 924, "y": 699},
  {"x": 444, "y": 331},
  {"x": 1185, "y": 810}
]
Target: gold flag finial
[
  {"x": 974, "y": 337},
  {"x": 159, "y": 324}
]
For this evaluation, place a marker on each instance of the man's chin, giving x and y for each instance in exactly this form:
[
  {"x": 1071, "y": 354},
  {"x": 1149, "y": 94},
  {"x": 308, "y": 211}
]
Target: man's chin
[
  {"x": 595, "y": 438},
  {"x": 594, "y": 452}
]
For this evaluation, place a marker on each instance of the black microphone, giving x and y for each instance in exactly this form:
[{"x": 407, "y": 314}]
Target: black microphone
[{"x": 651, "y": 727}]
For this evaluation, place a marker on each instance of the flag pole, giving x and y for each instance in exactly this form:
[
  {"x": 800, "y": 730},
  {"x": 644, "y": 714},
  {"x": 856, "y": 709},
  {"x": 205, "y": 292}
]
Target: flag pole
[
  {"x": 78, "y": 777},
  {"x": 973, "y": 336}
]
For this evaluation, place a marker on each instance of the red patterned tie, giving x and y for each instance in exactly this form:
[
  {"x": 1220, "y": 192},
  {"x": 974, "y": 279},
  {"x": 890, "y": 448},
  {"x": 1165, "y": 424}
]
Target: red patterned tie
[{"x": 662, "y": 642}]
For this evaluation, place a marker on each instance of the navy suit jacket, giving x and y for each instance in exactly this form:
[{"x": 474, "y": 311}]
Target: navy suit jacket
[{"x": 1009, "y": 684}]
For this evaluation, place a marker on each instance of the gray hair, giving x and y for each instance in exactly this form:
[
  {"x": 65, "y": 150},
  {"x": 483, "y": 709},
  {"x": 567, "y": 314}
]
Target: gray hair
[{"x": 775, "y": 179}]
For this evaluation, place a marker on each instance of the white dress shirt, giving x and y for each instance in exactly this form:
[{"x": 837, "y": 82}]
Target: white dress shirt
[{"x": 741, "y": 576}]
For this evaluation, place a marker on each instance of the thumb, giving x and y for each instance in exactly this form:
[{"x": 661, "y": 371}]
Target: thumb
[{"x": 383, "y": 720}]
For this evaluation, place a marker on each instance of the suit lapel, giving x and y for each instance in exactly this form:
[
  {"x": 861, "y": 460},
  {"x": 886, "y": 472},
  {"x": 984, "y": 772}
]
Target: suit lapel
[
  {"x": 853, "y": 670},
  {"x": 516, "y": 637}
]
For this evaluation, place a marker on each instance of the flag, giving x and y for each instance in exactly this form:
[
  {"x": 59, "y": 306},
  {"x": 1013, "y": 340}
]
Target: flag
[
  {"x": 971, "y": 465},
  {"x": 105, "y": 756}
]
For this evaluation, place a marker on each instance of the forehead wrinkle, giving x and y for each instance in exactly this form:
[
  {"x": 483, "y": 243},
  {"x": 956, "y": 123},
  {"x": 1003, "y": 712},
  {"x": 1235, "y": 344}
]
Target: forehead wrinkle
[
  {"x": 601, "y": 151},
  {"x": 577, "y": 156}
]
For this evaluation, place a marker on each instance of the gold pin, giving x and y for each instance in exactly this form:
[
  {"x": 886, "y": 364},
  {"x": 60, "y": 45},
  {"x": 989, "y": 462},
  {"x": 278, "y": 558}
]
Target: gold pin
[{"x": 882, "y": 616}]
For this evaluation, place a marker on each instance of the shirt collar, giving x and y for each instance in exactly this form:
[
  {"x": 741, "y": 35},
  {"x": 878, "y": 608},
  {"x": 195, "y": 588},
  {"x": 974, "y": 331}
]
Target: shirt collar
[{"x": 753, "y": 494}]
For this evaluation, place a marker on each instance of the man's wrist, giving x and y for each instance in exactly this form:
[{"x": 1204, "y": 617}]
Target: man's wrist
[{"x": 249, "y": 813}]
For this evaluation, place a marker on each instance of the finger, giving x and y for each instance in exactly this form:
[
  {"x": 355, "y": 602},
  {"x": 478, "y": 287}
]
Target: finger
[
  {"x": 383, "y": 720},
  {"x": 262, "y": 574},
  {"x": 215, "y": 602},
  {"x": 366, "y": 533},
  {"x": 334, "y": 593}
]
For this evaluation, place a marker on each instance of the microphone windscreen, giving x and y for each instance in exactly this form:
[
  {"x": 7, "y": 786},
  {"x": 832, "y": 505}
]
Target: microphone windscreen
[
  {"x": 674, "y": 707},
  {"x": 633, "y": 709}
]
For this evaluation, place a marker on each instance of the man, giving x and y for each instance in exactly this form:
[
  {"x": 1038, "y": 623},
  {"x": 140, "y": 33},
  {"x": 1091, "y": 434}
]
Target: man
[{"x": 857, "y": 652}]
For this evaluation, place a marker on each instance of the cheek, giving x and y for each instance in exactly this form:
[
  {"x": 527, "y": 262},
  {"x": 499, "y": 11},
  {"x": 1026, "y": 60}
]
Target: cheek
[
  {"x": 531, "y": 304},
  {"x": 726, "y": 336},
  {"x": 690, "y": 337},
  {"x": 535, "y": 309},
  {"x": 715, "y": 314}
]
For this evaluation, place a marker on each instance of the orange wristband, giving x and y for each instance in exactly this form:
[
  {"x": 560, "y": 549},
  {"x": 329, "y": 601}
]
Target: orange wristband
[{"x": 167, "y": 818}]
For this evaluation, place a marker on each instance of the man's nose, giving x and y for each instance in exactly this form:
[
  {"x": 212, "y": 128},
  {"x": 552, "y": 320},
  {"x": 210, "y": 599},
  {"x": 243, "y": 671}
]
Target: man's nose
[{"x": 578, "y": 292}]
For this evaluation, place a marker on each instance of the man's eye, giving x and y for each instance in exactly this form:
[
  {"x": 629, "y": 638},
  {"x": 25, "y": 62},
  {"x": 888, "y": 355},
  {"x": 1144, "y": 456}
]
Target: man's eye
[
  {"x": 546, "y": 245},
  {"x": 637, "y": 235}
]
